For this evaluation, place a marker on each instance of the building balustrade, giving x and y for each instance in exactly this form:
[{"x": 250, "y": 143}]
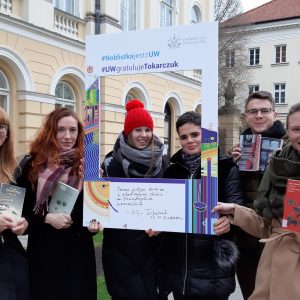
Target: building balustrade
[
  {"x": 5, "y": 7},
  {"x": 66, "y": 24}
]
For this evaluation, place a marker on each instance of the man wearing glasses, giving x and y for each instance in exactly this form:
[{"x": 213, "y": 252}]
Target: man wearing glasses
[{"x": 261, "y": 118}]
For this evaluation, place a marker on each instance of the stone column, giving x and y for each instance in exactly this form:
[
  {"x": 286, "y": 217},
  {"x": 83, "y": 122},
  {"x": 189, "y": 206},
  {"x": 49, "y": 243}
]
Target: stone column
[{"x": 229, "y": 127}]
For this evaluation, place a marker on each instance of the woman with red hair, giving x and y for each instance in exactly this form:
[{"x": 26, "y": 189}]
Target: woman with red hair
[
  {"x": 14, "y": 284},
  {"x": 60, "y": 251}
]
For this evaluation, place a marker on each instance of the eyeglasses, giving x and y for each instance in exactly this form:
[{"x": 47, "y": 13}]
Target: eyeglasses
[
  {"x": 3, "y": 127},
  {"x": 254, "y": 112}
]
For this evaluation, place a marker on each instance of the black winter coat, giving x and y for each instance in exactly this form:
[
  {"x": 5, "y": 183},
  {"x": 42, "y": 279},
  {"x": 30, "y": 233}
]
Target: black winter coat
[
  {"x": 128, "y": 256},
  {"x": 61, "y": 262},
  {"x": 14, "y": 277},
  {"x": 194, "y": 264}
]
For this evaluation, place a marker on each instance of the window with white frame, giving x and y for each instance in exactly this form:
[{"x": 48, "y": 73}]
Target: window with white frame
[
  {"x": 167, "y": 11},
  {"x": 69, "y": 6},
  {"x": 254, "y": 56},
  {"x": 280, "y": 93},
  {"x": 196, "y": 15},
  {"x": 230, "y": 59},
  {"x": 129, "y": 15},
  {"x": 4, "y": 91},
  {"x": 253, "y": 88},
  {"x": 65, "y": 96},
  {"x": 280, "y": 54}
]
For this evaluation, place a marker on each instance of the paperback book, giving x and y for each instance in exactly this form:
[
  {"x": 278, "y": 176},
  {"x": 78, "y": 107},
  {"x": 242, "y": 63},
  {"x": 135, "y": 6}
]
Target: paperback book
[
  {"x": 63, "y": 199},
  {"x": 291, "y": 208},
  {"x": 11, "y": 201},
  {"x": 256, "y": 151}
]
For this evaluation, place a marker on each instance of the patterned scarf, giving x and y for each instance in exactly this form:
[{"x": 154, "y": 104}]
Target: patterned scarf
[
  {"x": 137, "y": 163},
  {"x": 49, "y": 177},
  {"x": 192, "y": 162}
]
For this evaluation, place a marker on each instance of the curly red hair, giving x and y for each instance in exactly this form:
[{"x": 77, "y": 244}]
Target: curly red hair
[{"x": 45, "y": 148}]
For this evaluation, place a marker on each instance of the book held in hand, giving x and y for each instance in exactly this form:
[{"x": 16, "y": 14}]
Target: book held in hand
[
  {"x": 63, "y": 199},
  {"x": 11, "y": 201},
  {"x": 291, "y": 206},
  {"x": 256, "y": 151}
]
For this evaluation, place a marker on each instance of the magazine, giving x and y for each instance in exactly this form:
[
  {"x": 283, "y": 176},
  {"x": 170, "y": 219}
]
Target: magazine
[
  {"x": 11, "y": 200},
  {"x": 256, "y": 151},
  {"x": 63, "y": 199},
  {"x": 291, "y": 207}
]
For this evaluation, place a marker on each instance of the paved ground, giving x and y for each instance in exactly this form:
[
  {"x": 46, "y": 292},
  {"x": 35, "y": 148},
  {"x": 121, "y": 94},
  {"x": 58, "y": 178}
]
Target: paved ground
[{"x": 235, "y": 296}]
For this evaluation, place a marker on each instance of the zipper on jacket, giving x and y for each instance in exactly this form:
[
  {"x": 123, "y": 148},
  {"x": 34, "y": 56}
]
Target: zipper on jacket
[
  {"x": 186, "y": 235},
  {"x": 186, "y": 244},
  {"x": 186, "y": 258},
  {"x": 2, "y": 238}
]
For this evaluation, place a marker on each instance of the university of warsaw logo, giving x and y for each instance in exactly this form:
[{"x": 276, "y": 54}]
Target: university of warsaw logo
[{"x": 174, "y": 42}]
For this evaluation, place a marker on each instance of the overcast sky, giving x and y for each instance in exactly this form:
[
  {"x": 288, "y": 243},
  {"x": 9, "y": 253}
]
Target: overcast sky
[{"x": 250, "y": 4}]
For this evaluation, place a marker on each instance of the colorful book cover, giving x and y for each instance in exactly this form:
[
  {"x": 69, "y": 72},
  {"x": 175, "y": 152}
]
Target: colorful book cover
[
  {"x": 63, "y": 199},
  {"x": 256, "y": 151},
  {"x": 291, "y": 210},
  {"x": 11, "y": 200},
  {"x": 268, "y": 147},
  {"x": 250, "y": 152}
]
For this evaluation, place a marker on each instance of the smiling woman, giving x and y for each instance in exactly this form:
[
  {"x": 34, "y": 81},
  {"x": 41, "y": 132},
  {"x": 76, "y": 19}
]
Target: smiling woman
[
  {"x": 60, "y": 251},
  {"x": 128, "y": 255}
]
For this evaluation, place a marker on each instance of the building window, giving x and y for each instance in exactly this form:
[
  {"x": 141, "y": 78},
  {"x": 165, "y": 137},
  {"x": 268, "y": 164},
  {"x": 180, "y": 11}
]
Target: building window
[
  {"x": 65, "y": 96},
  {"x": 230, "y": 59},
  {"x": 280, "y": 54},
  {"x": 280, "y": 93},
  {"x": 166, "y": 13},
  {"x": 4, "y": 92},
  {"x": 254, "y": 56},
  {"x": 69, "y": 6},
  {"x": 129, "y": 15},
  {"x": 253, "y": 88},
  {"x": 196, "y": 15}
]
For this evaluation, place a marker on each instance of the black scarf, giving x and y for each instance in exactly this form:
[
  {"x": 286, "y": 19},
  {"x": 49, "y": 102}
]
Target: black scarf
[
  {"x": 192, "y": 162},
  {"x": 276, "y": 131}
]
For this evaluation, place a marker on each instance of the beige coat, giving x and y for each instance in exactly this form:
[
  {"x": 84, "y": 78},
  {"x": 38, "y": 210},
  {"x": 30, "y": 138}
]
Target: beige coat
[{"x": 278, "y": 272}]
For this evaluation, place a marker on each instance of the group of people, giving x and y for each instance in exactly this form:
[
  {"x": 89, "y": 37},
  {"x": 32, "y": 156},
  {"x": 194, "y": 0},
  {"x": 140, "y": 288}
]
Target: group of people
[
  {"x": 60, "y": 259},
  {"x": 146, "y": 264}
]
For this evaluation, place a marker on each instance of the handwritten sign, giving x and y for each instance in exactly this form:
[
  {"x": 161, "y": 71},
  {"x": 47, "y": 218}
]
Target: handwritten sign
[
  {"x": 135, "y": 205},
  {"x": 166, "y": 205}
]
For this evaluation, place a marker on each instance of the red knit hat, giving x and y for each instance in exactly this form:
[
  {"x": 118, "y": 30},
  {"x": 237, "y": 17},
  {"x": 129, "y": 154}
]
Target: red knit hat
[{"x": 136, "y": 116}]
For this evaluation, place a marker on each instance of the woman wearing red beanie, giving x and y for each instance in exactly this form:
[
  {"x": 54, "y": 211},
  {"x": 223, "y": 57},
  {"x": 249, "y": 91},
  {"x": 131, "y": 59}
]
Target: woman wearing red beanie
[{"x": 128, "y": 255}]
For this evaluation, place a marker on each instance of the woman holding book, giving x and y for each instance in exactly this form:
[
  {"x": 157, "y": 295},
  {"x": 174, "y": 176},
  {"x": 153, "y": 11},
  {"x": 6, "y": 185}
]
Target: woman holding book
[
  {"x": 60, "y": 251},
  {"x": 129, "y": 255},
  {"x": 279, "y": 269},
  {"x": 14, "y": 283}
]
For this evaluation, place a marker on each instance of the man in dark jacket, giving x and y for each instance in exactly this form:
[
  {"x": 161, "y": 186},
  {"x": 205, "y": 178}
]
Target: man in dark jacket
[
  {"x": 195, "y": 266},
  {"x": 261, "y": 118}
]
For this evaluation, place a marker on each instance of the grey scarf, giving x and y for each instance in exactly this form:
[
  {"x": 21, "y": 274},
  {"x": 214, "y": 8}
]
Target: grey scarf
[{"x": 137, "y": 163}]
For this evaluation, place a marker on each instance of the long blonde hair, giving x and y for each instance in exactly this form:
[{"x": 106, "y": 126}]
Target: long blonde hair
[{"x": 7, "y": 159}]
